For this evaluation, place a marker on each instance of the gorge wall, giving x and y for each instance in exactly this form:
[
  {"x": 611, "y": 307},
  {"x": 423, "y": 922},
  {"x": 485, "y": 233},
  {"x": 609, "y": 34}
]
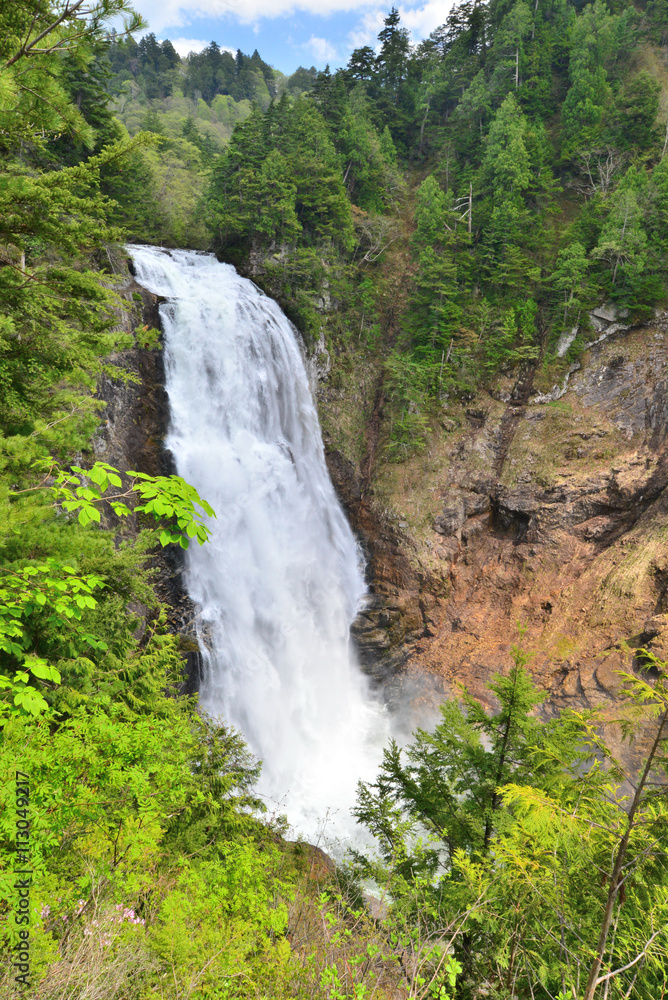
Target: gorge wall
[
  {"x": 131, "y": 436},
  {"x": 546, "y": 509}
]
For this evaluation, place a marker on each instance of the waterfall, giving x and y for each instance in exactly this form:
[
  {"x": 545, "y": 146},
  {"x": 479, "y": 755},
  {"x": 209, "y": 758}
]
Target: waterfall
[{"x": 280, "y": 581}]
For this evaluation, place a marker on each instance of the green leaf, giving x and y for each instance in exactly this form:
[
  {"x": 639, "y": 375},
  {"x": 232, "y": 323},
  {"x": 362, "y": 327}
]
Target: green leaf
[
  {"x": 31, "y": 701},
  {"x": 40, "y": 668}
]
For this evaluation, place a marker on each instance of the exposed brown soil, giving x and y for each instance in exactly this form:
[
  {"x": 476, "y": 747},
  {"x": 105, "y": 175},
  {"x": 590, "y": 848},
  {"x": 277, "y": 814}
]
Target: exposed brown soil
[{"x": 555, "y": 516}]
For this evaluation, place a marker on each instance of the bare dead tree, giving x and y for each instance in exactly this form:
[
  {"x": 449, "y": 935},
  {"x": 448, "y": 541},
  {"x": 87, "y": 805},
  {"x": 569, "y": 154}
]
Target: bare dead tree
[
  {"x": 376, "y": 233},
  {"x": 599, "y": 167}
]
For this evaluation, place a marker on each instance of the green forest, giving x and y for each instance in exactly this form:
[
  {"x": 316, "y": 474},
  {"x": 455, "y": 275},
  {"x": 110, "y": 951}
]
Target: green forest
[{"x": 496, "y": 181}]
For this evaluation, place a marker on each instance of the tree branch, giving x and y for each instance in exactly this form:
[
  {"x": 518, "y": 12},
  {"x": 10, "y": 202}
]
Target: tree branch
[
  {"x": 629, "y": 965},
  {"x": 28, "y": 46}
]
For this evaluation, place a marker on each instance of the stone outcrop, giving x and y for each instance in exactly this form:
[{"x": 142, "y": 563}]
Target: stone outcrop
[
  {"x": 393, "y": 612},
  {"x": 136, "y": 413}
]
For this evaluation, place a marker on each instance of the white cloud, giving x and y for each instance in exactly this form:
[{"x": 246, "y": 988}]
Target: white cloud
[
  {"x": 163, "y": 14},
  {"x": 419, "y": 19},
  {"x": 420, "y": 22},
  {"x": 321, "y": 49},
  {"x": 186, "y": 45},
  {"x": 366, "y": 32}
]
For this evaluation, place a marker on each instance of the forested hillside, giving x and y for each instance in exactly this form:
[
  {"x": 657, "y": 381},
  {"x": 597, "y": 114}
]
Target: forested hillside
[
  {"x": 146, "y": 865},
  {"x": 532, "y": 149},
  {"x": 443, "y": 216}
]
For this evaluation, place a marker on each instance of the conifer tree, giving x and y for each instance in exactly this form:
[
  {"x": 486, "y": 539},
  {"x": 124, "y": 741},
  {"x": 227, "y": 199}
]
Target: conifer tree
[{"x": 394, "y": 48}]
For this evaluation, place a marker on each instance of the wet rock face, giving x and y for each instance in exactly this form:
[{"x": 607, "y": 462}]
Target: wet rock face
[
  {"x": 136, "y": 413},
  {"x": 377, "y": 634},
  {"x": 395, "y": 611},
  {"x": 135, "y": 421}
]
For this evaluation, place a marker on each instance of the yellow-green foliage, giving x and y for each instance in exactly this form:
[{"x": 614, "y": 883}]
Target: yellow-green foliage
[
  {"x": 219, "y": 924},
  {"x": 152, "y": 876},
  {"x": 217, "y": 119},
  {"x": 178, "y": 178},
  {"x": 111, "y": 796}
]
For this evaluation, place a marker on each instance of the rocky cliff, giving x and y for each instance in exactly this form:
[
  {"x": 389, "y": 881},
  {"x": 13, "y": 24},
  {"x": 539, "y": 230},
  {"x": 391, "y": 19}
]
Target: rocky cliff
[
  {"x": 547, "y": 509},
  {"x": 132, "y": 434}
]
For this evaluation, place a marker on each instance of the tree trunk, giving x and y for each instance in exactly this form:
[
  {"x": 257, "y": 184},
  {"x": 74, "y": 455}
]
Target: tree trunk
[
  {"x": 616, "y": 881},
  {"x": 422, "y": 126}
]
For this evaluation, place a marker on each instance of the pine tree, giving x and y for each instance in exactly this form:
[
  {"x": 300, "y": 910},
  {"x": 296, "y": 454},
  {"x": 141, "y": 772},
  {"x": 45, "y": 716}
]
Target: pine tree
[
  {"x": 322, "y": 207},
  {"x": 362, "y": 64},
  {"x": 506, "y": 170},
  {"x": 394, "y": 49},
  {"x": 276, "y": 217},
  {"x": 570, "y": 279},
  {"x": 623, "y": 241},
  {"x": 506, "y": 162},
  {"x": 584, "y": 110},
  {"x": 449, "y": 780}
]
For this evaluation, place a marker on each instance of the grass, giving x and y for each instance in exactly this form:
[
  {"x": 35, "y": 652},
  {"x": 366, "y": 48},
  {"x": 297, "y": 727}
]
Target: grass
[
  {"x": 552, "y": 447},
  {"x": 634, "y": 575}
]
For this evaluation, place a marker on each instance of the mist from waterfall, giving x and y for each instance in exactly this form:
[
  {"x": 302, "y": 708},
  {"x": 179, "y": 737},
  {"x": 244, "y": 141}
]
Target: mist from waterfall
[{"x": 278, "y": 585}]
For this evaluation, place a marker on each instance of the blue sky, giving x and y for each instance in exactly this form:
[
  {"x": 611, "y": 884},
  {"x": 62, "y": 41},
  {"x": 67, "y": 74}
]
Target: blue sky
[{"x": 287, "y": 33}]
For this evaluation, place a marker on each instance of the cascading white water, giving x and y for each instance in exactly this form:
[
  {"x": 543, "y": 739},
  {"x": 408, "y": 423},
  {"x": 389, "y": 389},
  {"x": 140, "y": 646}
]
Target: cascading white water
[{"x": 281, "y": 579}]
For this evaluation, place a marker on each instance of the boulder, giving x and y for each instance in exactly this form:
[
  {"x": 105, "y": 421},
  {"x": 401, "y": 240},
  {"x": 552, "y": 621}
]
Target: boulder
[{"x": 607, "y": 312}]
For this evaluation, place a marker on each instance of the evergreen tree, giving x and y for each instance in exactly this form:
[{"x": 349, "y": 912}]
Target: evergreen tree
[
  {"x": 362, "y": 64},
  {"x": 623, "y": 241},
  {"x": 570, "y": 279},
  {"x": 506, "y": 170},
  {"x": 394, "y": 49},
  {"x": 277, "y": 217},
  {"x": 635, "y": 113},
  {"x": 508, "y": 51},
  {"x": 448, "y": 781},
  {"x": 592, "y": 39},
  {"x": 322, "y": 207}
]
